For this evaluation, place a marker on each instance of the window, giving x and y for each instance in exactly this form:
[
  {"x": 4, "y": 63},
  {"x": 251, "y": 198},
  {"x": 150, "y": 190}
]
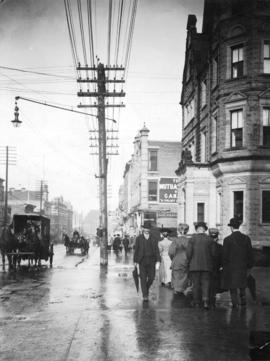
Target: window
[
  {"x": 203, "y": 147},
  {"x": 266, "y": 127},
  {"x": 189, "y": 112},
  {"x": 215, "y": 72},
  {"x": 200, "y": 212},
  {"x": 237, "y": 61},
  {"x": 152, "y": 160},
  {"x": 266, "y": 206},
  {"x": 150, "y": 217},
  {"x": 266, "y": 57},
  {"x": 238, "y": 204},
  {"x": 214, "y": 135},
  {"x": 152, "y": 191},
  {"x": 237, "y": 128},
  {"x": 203, "y": 93}
]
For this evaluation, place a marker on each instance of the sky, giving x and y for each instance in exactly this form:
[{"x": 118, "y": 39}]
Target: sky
[{"x": 53, "y": 144}]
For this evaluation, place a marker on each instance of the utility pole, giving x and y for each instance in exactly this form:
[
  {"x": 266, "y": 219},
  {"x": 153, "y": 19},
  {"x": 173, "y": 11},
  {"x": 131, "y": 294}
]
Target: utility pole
[
  {"x": 41, "y": 197},
  {"x": 8, "y": 157},
  {"x": 101, "y": 105}
]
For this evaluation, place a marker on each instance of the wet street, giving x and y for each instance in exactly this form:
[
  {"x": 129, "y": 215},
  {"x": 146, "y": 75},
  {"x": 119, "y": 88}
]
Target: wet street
[{"x": 75, "y": 311}]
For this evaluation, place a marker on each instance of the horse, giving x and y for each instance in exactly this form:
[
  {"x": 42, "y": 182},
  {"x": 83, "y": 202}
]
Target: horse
[{"x": 8, "y": 244}]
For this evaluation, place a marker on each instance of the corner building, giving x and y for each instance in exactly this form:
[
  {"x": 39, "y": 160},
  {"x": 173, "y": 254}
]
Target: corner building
[
  {"x": 225, "y": 165},
  {"x": 149, "y": 190}
]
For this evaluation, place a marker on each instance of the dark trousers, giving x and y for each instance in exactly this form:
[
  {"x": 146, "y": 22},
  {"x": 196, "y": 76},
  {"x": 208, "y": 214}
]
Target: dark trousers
[
  {"x": 147, "y": 276},
  {"x": 234, "y": 296},
  {"x": 201, "y": 285}
]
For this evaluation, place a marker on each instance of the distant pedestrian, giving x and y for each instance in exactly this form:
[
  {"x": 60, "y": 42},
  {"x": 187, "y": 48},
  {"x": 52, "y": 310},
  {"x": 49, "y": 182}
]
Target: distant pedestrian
[
  {"x": 177, "y": 253},
  {"x": 200, "y": 254},
  {"x": 237, "y": 261},
  {"x": 215, "y": 284},
  {"x": 147, "y": 258},
  {"x": 117, "y": 244},
  {"x": 126, "y": 243},
  {"x": 165, "y": 266}
]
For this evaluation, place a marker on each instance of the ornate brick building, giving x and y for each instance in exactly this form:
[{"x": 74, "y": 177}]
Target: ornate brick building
[
  {"x": 149, "y": 191},
  {"x": 225, "y": 167}
]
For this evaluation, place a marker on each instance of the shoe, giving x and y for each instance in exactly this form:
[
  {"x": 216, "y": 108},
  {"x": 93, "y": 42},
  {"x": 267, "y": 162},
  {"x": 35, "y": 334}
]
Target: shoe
[{"x": 206, "y": 305}]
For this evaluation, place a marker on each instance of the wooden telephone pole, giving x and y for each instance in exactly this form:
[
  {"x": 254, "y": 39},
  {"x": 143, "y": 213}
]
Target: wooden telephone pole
[
  {"x": 101, "y": 105},
  {"x": 7, "y": 157}
]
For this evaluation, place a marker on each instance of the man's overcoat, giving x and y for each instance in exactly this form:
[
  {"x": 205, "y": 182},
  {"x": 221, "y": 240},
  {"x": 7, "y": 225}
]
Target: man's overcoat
[
  {"x": 139, "y": 251},
  {"x": 237, "y": 259}
]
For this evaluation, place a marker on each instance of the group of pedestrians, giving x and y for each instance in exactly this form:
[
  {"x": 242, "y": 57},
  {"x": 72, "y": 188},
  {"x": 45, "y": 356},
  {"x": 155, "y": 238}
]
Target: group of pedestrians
[{"x": 196, "y": 264}]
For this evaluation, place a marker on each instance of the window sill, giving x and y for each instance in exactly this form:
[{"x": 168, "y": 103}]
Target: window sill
[
  {"x": 233, "y": 149},
  {"x": 236, "y": 79}
]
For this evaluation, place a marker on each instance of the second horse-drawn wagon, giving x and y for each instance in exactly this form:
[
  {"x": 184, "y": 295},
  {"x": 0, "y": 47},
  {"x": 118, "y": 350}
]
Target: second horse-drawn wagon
[{"x": 76, "y": 242}]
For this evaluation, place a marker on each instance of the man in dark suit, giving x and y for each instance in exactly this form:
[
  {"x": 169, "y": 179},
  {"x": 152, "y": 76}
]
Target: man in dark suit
[
  {"x": 147, "y": 257},
  {"x": 200, "y": 256},
  {"x": 237, "y": 260}
]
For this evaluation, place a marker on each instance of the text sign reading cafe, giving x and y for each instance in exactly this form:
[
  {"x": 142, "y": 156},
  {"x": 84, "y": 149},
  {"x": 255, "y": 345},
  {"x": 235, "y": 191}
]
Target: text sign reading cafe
[{"x": 168, "y": 190}]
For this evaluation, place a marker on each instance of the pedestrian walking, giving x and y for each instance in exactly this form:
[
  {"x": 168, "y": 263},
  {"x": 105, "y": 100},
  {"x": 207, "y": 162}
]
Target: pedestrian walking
[
  {"x": 147, "y": 258},
  {"x": 200, "y": 254},
  {"x": 165, "y": 271},
  {"x": 237, "y": 261},
  {"x": 177, "y": 253},
  {"x": 117, "y": 244},
  {"x": 215, "y": 284},
  {"x": 126, "y": 244}
]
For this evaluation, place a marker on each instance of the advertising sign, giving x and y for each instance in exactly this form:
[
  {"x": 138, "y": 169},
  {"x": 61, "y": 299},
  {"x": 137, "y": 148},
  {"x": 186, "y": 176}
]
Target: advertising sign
[{"x": 168, "y": 190}]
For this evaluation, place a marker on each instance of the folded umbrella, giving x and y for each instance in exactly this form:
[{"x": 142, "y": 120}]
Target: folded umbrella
[
  {"x": 136, "y": 275},
  {"x": 251, "y": 285}
]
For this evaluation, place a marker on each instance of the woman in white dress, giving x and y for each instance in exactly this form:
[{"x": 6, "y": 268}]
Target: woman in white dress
[{"x": 165, "y": 271}]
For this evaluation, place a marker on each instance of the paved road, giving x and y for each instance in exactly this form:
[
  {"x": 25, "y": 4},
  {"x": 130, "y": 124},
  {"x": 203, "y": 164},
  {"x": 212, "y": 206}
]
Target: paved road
[{"x": 75, "y": 311}]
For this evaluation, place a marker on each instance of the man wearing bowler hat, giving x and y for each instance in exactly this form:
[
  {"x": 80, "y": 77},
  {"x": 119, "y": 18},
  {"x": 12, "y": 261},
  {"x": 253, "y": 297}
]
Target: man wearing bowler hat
[
  {"x": 200, "y": 255},
  {"x": 237, "y": 260},
  {"x": 147, "y": 257}
]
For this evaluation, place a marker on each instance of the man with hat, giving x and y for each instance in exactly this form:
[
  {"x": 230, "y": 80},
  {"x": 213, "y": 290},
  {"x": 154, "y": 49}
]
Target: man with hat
[
  {"x": 237, "y": 260},
  {"x": 200, "y": 255},
  {"x": 147, "y": 257}
]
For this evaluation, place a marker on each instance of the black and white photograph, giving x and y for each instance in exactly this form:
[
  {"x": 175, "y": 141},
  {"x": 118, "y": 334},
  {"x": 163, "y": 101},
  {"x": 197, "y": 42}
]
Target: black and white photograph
[{"x": 134, "y": 180}]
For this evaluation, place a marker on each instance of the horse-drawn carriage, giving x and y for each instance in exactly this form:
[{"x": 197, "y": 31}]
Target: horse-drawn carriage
[
  {"x": 76, "y": 242},
  {"x": 27, "y": 238}
]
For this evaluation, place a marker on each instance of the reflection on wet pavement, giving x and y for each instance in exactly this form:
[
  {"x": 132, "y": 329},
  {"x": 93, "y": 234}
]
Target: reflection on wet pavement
[{"x": 79, "y": 311}]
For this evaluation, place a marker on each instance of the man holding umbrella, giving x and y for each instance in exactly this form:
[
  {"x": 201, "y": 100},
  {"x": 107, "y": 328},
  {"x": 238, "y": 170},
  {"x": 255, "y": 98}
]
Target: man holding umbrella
[{"x": 147, "y": 259}]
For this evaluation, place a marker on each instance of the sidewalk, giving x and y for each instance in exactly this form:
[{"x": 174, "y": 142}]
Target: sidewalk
[{"x": 87, "y": 313}]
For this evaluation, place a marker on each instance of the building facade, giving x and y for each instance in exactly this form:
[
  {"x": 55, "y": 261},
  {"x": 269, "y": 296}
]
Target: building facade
[
  {"x": 19, "y": 198},
  {"x": 149, "y": 190},
  {"x": 225, "y": 165},
  {"x": 60, "y": 213}
]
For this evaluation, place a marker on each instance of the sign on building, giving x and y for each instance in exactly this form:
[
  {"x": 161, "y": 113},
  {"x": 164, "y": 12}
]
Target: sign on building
[{"x": 168, "y": 190}]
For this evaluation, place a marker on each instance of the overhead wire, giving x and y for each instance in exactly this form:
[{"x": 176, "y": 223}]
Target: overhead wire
[
  {"x": 79, "y": 4},
  {"x": 130, "y": 36},
  {"x": 90, "y": 30},
  {"x": 109, "y": 32}
]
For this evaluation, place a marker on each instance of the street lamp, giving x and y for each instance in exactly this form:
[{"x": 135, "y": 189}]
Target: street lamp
[{"x": 16, "y": 121}]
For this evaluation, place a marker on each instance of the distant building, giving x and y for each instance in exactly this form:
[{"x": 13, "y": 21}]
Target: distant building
[
  {"x": 149, "y": 190},
  {"x": 19, "y": 198},
  {"x": 225, "y": 166},
  {"x": 60, "y": 213}
]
